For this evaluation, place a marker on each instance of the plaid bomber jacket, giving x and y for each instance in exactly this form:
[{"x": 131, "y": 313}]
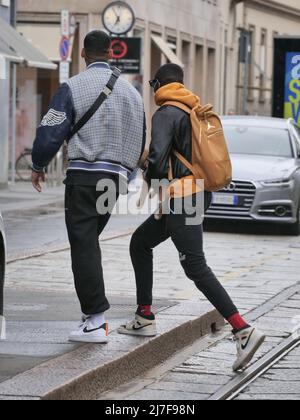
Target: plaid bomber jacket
[{"x": 114, "y": 138}]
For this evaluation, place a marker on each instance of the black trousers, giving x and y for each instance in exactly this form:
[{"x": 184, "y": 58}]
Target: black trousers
[
  {"x": 189, "y": 242},
  {"x": 84, "y": 226}
]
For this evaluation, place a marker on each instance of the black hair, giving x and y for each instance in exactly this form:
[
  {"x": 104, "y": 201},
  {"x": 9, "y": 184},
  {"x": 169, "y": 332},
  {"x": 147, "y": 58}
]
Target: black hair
[
  {"x": 97, "y": 43},
  {"x": 170, "y": 73}
]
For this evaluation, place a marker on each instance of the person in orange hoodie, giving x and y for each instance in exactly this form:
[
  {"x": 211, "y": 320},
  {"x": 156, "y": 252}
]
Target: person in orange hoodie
[{"x": 172, "y": 130}]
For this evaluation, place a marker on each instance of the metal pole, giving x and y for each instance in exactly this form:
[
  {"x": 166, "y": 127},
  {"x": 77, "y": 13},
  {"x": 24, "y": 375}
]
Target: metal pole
[
  {"x": 13, "y": 12},
  {"x": 14, "y": 125},
  {"x": 13, "y": 22},
  {"x": 246, "y": 79}
]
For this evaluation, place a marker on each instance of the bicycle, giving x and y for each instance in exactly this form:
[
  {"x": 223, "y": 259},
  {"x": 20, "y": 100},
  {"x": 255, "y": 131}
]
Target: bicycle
[{"x": 23, "y": 165}]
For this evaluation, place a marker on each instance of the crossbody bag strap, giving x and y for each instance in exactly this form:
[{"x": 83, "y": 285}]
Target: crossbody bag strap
[{"x": 107, "y": 91}]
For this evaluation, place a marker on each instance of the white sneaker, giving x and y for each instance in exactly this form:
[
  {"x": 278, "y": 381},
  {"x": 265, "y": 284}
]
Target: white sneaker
[
  {"x": 87, "y": 333},
  {"x": 142, "y": 326},
  {"x": 248, "y": 343}
]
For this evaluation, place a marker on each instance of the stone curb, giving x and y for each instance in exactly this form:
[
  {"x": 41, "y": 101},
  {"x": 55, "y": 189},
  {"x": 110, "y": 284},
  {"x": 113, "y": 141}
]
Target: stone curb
[{"x": 89, "y": 371}]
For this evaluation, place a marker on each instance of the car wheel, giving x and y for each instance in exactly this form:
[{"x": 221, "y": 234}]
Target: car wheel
[{"x": 294, "y": 229}]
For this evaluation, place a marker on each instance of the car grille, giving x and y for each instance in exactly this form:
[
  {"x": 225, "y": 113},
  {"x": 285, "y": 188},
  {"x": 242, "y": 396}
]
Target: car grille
[{"x": 245, "y": 193}]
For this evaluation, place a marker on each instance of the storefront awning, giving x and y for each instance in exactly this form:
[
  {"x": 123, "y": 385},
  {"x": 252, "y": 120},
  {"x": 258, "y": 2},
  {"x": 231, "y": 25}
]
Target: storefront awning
[
  {"x": 19, "y": 47},
  {"x": 46, "y": 38},
  {"x": 166, "y": 50},
  {"x": 6, "y": 52}
]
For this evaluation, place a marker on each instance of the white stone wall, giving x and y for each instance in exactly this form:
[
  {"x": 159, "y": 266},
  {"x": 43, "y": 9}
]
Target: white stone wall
[
  {"x": 203, "y": 23},
  {"x": 271, "y": 20}
]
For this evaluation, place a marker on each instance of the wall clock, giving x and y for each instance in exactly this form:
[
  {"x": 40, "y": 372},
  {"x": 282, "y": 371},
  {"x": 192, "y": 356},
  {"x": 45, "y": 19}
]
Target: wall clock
[{"x": 118, "y": 18}]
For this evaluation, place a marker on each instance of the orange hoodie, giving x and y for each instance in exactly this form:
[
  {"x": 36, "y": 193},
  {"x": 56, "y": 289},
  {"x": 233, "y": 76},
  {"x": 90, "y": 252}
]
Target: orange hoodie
[{"x": 177, "y": 92}]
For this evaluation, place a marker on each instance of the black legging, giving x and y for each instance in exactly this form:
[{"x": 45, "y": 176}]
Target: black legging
[{"x": 189, "y": 243}]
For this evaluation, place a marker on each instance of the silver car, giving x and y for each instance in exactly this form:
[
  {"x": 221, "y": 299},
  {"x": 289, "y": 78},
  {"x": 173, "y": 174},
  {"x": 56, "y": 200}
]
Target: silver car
[
  {"x": 2, "y": 276},
  {"x": 265, "y": 155}
]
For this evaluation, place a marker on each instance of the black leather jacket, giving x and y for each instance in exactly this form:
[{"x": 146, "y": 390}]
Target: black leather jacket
[{"x": 171, "y": 129}]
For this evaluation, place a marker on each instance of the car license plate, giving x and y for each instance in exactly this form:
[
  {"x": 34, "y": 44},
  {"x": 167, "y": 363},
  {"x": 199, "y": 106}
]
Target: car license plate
[{"x": 226, "y": 199}]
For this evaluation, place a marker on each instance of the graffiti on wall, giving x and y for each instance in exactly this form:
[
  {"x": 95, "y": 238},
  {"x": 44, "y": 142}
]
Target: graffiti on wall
[{"x": 292, "y": 87}]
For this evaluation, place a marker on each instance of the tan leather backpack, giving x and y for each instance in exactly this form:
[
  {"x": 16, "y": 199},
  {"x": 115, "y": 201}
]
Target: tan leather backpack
[{"x": 210, "y": 157}]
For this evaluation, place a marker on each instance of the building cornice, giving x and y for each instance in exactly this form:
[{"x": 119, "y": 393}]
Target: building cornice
[{"x": 275, "y": 6}]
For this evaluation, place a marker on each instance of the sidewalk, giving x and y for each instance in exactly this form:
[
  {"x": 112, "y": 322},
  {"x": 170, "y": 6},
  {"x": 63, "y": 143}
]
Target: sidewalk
[
  {"x": 40, "y": 292},
  {"x": 21, "y": 196},
  {"x": 41, "y": 307},
  {"x": 38, "y": 362},
  {"x": 35, "y": 223}
]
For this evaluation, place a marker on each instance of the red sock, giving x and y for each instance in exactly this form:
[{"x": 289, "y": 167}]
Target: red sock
[
  {"x": 237, "y": 322},
  {"x": 145, "y": 310}
]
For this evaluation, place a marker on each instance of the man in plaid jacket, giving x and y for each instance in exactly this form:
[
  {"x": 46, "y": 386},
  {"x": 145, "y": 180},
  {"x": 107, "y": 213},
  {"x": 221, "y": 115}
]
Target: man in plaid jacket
[{"x": 107, "y": 148}]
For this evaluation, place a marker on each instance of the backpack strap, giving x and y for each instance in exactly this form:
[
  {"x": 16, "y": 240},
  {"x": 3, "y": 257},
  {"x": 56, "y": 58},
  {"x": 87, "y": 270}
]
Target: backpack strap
[
  {"x": 182, "y": 159},
  {"x": 179, "y": 105},
  {"x": 106, "y": 92},
  {"x": 185, "y": 163}
]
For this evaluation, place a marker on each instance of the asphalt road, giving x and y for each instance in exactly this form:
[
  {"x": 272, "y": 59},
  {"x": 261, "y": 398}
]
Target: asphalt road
[{"x": 45, "y": 227}]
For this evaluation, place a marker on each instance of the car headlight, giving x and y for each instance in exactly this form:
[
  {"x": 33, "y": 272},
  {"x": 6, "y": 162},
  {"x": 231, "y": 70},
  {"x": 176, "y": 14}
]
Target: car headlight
[{"x": 278, "y": 183}]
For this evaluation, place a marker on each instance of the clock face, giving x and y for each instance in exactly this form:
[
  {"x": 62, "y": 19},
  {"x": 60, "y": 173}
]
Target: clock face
[{"x": 118, "y": 18}]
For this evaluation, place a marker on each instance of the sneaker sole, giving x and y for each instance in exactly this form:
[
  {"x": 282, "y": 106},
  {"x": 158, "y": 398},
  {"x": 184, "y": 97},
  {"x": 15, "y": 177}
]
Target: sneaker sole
[
  {"x": 88, "y": 340},
  {"x": 141, "y": 333},
  {"x": 250, "y": 356}
]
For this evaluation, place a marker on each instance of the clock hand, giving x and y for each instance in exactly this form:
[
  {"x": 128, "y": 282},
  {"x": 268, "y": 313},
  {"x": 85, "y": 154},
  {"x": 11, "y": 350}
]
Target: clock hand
[{"x": 114, "y": 10}]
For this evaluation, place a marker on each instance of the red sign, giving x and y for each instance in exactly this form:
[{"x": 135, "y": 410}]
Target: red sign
[
  {"x": 127, "y": 54},
  {"x": 120, "y": 49}
]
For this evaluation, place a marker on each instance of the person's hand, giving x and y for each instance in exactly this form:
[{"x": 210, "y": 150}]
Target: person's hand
[
  {"x": 37, "y": 178},
  {"x": 143, "y": 163}
]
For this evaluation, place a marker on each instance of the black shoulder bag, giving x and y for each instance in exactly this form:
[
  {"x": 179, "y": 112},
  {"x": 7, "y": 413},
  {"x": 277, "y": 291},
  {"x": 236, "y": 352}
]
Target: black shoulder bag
[{"x": 107, "y": 91}]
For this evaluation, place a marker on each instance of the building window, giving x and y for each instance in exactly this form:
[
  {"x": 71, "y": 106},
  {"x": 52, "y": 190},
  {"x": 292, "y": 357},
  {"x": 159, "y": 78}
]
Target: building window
[
  {"x": 186, "y": 58},
  {"x": 263, "y": 65},
  {"x": 251, "y": 64},
  {"x": 199, "y": 71},
  {"x": 211, "y": 79}
]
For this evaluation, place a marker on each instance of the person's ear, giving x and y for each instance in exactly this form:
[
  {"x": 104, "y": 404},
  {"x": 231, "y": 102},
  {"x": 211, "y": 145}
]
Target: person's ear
[
  {"x": 83, "y": 54},
  {"x": 110, "y": 53}
]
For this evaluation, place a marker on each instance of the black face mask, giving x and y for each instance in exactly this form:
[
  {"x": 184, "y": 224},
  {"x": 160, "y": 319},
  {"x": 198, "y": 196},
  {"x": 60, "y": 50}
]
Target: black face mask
[{"x": 155, "y": 84}]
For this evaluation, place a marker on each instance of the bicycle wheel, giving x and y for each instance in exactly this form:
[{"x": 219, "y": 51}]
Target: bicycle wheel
[{"x": 23, "y": 167}]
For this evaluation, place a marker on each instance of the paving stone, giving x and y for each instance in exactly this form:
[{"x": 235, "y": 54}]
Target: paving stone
[
  {"x": 196, "y": 379},
  {"x": 284, "y": 375},
  {"x": 13, "y": 398},
  {"x": 269, "y": 387},
  {"x": 268, "y": 397},
  {"x": 184, "y": 387},
  {"x": 159, "y": 395}
]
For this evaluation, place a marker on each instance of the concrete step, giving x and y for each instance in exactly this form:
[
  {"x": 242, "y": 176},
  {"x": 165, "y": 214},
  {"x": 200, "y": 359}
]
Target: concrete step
[{"x": 91, "y": 370}]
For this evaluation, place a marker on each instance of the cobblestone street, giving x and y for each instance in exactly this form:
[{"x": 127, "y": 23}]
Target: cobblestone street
[
  {"x": 115, "y": 110},
  {"x": 254, "y": 268}
]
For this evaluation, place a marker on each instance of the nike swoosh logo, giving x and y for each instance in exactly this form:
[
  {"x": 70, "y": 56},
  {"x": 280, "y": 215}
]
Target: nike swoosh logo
[
  {"x": 86, "y": 331},
  {"x": 244, "y": 346},
  {"x": 140, "y": 328}
]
